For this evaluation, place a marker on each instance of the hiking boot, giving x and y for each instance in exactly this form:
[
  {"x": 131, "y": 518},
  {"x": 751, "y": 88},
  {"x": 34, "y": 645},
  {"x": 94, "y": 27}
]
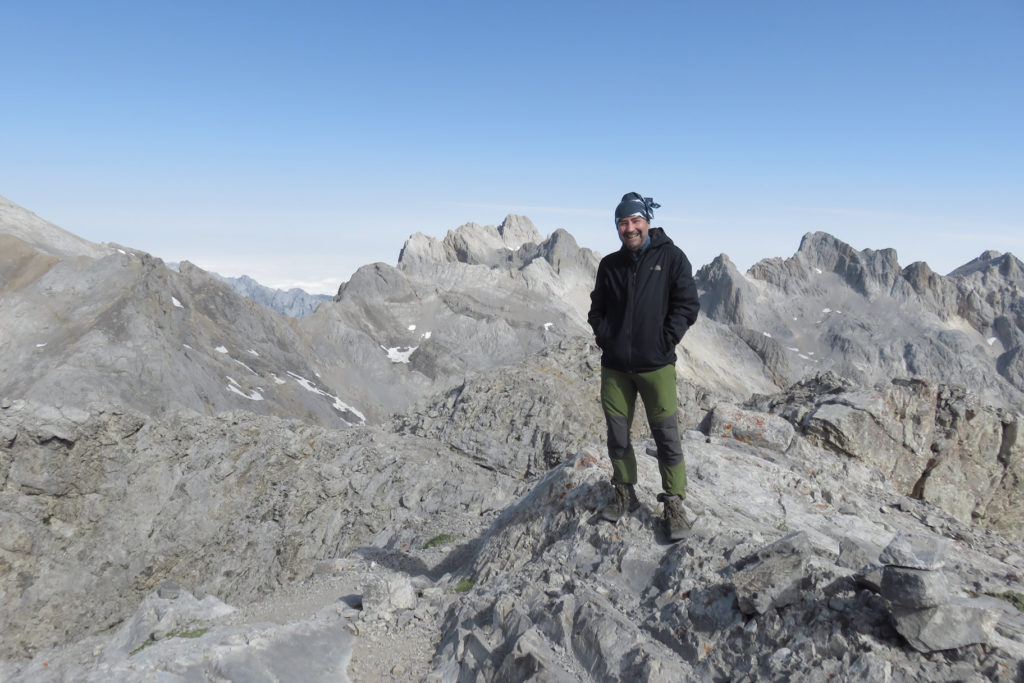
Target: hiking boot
[
  {"x": 625, "y": 501},
  {"x": 677, "y": 522}
]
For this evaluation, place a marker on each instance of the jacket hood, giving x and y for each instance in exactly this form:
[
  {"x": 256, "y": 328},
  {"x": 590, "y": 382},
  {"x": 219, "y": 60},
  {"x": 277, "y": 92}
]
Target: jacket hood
[{"x": 658, "y": 237}]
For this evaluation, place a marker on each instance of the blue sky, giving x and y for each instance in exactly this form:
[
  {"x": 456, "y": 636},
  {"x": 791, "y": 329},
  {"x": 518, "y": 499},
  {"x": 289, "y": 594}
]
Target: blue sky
[{"x": 296, "y": 141}]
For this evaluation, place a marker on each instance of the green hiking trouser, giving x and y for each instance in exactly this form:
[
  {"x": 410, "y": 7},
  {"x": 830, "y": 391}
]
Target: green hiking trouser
[{"x": 618, "y": 400}]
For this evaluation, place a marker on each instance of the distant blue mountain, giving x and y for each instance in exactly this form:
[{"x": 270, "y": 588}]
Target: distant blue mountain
[{"x": 294, "y": 303}]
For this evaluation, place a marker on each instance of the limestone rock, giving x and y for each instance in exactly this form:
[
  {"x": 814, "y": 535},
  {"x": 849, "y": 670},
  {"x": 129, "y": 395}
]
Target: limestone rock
[
  {"x": 909, "y": 589},
  {"x": 916, "y": 551},
  {"x": 774, "y": 577},
  {"x": 958, "y": 623},
  {"x": 759, "y": 429},
  {"x": 521, "y": 420},
  {"x": 230, "y": 506},
  {"x": 937, "y": 442},
  {"x": 167, "y": 611},
  {"x": 533, "y": 658},
  {"x": 858, "y": 554}
]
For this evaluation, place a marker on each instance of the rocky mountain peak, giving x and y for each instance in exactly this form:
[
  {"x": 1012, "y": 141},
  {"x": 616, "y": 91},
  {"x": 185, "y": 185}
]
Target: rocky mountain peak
[
  {"x": 376, "y": 281},
  {"x": 982, "y": 262},
  {"x": 517, "y": 231},
  {"x": 724, "y": 290},
  {"x": 490, "y": 245},
  {"x": 472, "y": 243},
  {"x": 868, "y": 271},
  {"x": 993, "y": 264},
  {"x": 476, "y": 244},
  {"x": 424, "y": 250}
]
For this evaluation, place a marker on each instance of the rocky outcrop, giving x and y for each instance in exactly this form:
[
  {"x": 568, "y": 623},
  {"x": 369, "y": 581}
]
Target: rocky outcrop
[
  {"x": 924, "y": 609},
  {"x": 758, "y": 429},
  {"x": 521, "y": 421},
  {"x": 936, "y": 442},
  {"x": 100, "y": 507},
  {"x": 754, "y": 590},
  {"x": 507, "y": 575}
]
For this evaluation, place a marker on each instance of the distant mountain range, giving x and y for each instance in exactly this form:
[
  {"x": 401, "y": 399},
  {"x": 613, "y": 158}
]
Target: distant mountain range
[{"x": 294, "y": 303}]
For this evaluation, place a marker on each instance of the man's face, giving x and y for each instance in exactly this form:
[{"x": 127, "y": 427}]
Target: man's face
[{"x": 633, "y": 232}]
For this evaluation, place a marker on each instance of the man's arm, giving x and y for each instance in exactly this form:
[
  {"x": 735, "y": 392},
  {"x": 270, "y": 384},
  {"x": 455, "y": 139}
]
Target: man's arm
[
  {"x": 683, "y": 301},
  {"x": 597, "y": 302}
]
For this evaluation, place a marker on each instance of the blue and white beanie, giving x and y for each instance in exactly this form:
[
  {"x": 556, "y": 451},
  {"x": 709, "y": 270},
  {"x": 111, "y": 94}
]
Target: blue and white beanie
[{"x": 634, "y": 204}]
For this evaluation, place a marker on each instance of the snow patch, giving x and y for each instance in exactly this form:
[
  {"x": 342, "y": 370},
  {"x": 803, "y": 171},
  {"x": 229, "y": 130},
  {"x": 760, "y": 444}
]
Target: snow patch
[
  {"x": 233, "y": 387},
  {"x": 253, "y": 352},
  {"x": 826, "y": 310},
  {"x": 187, "y": 346},
  {"x": 991, "y": 340},
  {"x": 818, "y": 271},
  {"x": 39, "y": 346},
  {"x": 412, "y": 328},
  {"x": 426, "y": 335},
  {"x": 804, "y": 357},
  {"x": 245, "y": 366},
  {"x": 122, "y": 251},
  {"x": 177, "y": 304},
  {"x": 221, "y": 349},
  {"x": 399, "y": 354},
  {"x": 547, "y": 326},
  {"x": 793, "y": 349},
  {"x": 767, "y": 335},
  {"x": 339, "y": 405},
  {"x": 277, "y": 380}
]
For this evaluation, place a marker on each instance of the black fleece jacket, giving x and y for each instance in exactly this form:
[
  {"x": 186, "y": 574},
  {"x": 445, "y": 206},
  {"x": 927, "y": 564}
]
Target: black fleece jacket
[{"x": 639, "y": 310}]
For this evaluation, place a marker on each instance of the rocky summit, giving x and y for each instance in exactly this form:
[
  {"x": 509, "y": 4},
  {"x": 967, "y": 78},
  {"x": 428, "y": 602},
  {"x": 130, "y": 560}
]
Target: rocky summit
[{"x": 403, "y": 483}]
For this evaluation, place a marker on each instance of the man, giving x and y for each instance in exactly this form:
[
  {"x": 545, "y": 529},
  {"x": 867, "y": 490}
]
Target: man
[{"x": 643, "y": 302}]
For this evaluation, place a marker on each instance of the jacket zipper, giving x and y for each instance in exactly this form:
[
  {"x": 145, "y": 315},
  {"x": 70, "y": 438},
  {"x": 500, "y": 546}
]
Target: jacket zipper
[{"x": 633, "y": 282}]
